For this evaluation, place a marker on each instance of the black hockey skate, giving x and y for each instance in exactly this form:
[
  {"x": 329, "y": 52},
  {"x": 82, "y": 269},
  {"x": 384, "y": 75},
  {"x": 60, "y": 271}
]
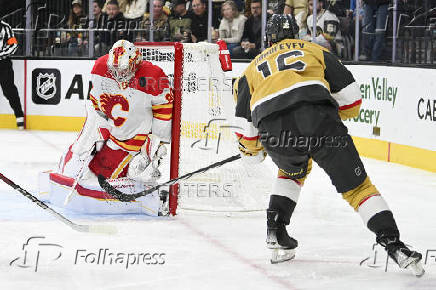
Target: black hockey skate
[
  {"x": 402, "y": 255},
  {"x": 277, "y": 239}
]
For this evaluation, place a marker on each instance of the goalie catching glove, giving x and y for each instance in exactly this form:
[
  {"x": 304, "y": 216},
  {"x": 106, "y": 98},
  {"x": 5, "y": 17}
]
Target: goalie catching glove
[{"x": 145, "y": 165}]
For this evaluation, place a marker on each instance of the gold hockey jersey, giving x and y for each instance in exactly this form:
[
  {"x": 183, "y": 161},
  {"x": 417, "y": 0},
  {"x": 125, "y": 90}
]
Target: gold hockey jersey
[{"x": 290, "y": 72}]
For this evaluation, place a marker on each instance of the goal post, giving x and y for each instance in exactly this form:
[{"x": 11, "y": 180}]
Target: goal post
[{"x": 202, "y": 132}]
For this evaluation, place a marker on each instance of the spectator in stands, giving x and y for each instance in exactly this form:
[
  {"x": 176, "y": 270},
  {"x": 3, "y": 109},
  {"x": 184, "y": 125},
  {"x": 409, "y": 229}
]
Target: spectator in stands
[
  {"x": 161, "y": 31},
  {"x": 121, "y": 5},
  {"x": 300, "y": 9},
  {"x": 353, "y": 9},
  {"x": 100, "y": 47},
  {"x": 116, "y": 23},
  {"x": 135, "y": 9},
  {"x": 232, "y": 25},
  {"x": 374, "y": 29},
  {"x": 252, "y": 37},
  {"x": 275, "y": 7},
  {"x": 76, "y": 20},
  {"x": 339, "y": 8},
  {"x": 327, "y": 28},
  {"x": 180, "y": 22},
  {"x": 199, "y": 21}
]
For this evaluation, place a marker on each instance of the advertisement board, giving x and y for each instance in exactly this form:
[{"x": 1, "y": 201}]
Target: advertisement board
[{"x": 398, "y": 104}]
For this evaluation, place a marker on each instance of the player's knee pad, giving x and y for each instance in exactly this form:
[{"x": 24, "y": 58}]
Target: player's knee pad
[
  {"x": 309, "y": 169},
  {"x": 358, "y": 195}
]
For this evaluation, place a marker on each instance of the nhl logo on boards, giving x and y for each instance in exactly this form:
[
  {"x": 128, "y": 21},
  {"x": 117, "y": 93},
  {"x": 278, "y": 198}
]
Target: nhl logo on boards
[{"x": 46, "y": 86}]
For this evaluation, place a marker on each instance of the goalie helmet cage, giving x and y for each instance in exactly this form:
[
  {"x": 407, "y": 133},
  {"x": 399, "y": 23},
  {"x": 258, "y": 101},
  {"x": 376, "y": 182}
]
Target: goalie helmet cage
[{"x": 203, "y": 111}]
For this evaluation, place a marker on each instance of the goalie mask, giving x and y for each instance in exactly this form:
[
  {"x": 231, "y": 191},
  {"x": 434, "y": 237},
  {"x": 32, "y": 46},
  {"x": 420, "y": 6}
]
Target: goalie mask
[
  {"x": 124, "y": 59},
  {"x": 279, "y": 27}
]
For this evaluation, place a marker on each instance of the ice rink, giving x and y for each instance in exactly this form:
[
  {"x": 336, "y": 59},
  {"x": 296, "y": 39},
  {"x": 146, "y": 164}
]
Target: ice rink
[{"x": 205, "y": 251}]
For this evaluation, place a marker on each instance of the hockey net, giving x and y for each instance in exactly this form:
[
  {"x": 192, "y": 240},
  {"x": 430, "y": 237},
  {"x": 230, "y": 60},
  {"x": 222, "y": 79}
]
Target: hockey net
[{"x": 202, "y": 133}]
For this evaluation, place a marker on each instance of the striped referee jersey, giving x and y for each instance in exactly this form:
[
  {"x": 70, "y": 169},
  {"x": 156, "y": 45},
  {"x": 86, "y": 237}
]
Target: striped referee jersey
[{"x": 8, "y": 43}]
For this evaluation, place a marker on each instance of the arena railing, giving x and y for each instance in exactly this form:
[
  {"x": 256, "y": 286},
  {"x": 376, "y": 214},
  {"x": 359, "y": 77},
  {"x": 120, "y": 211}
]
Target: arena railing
[{"x": 409, "y": 38}]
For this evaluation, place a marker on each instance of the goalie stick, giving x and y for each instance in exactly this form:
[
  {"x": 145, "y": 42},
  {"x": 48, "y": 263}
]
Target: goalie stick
[
  {"x": 130, "y": 197},
  {"x": 105, "y": 229}
]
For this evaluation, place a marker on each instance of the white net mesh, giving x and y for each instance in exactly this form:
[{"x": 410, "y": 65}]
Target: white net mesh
[{"x": 207, "y": 110}]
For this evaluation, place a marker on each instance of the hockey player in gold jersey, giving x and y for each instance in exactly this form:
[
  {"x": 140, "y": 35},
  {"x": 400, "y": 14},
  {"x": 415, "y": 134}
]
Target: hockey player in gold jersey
[{"x": 290, "y": 101}]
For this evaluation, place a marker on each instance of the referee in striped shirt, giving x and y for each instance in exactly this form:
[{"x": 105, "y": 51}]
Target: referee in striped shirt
[{"x": 8, "y": 46}]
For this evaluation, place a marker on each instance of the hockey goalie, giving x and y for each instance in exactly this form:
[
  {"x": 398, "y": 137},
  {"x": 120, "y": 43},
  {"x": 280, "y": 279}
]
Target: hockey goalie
[{"x": 128, "y": 122}]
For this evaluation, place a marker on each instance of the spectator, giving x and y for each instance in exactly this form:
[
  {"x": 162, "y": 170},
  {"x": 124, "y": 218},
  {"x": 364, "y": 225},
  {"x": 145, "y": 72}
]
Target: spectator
[
  {"x": 77, "y": 20},
  {"x": 327, "y": 26},
  {"x": 339, "y": 8},
  {"x": 115, "y": 23},
  {"x": 232, "y": 25},
  {"x": 275, "y": 7},
  {"x": 353, "y": 9},
  {"x": 160, "y": 23},
  {"x": 374, "y": 29},
  {"x": 8, "y": 46},
  {"x": 100, "y": 46},
  {"x": 180, "y": 22},
  {"x": 199, "y": 21},
  {"x": 121, "y": 5},
  {"x": 252, "y": 37},
  {"x": 298, "y": 8},
  {"x": 135, "y": 9}
]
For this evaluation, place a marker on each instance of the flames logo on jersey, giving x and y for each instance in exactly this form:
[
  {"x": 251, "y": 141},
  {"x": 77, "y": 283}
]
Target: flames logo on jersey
[{"x": 107, "y": 104}]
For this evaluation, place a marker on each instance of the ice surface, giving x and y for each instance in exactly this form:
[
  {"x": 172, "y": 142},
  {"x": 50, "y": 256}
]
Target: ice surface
[{"x": 204, "y": 251}]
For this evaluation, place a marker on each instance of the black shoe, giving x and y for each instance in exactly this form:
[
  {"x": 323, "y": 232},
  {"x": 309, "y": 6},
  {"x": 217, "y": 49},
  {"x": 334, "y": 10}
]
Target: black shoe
[{"x": 20, "y": 123}]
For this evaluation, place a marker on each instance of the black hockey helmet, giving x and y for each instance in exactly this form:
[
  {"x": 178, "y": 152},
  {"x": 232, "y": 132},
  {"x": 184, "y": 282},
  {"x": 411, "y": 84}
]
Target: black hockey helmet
[{"x": 281, "y": 26}]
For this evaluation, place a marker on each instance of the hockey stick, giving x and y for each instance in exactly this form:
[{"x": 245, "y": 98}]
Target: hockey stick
[
  {"x": 105, "y": 229},
  {"x": 130, "y": 197}
]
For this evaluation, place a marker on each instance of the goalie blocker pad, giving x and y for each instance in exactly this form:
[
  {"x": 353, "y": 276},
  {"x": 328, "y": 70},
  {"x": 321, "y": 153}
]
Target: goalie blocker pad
[{"x": 90, "y": 198}]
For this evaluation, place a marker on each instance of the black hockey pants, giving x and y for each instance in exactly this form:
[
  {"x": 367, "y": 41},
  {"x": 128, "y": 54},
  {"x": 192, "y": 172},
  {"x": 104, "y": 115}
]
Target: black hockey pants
[{"x": 294, "y": 135}]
